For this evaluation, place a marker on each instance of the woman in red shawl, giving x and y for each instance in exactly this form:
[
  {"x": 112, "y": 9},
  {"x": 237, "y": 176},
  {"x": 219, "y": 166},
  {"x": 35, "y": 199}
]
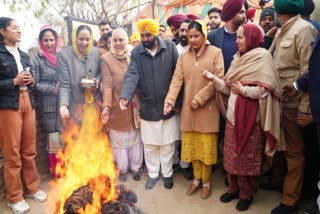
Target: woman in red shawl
[{"x": 253, "y": 111}]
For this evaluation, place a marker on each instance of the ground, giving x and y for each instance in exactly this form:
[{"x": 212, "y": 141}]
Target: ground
[{"x": 174, "y": 201}]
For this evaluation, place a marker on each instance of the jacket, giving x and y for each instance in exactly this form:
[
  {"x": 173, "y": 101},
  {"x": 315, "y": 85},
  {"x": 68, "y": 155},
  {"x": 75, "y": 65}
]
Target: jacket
[
  {"x": 311, "y": 81},
  {"x": 9, "y": 94},
  {"x": 71, "y": 70},
  {"x": 113, "y": 71},
  {"x": 46, "y": 78},
  {"x": 216, "y": 37},
  {"x": 151, "y": 75},
  {"x": 291, "y": 51},
  {"x": 205, "y": 119}
]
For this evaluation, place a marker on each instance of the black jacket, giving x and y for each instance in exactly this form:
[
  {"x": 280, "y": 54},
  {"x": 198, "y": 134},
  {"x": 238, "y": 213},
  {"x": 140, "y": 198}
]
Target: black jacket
[
  {"x": 9, "y": 94},
  {"x": 151, "y": 75},
  {"x": 311, "y": 81}
]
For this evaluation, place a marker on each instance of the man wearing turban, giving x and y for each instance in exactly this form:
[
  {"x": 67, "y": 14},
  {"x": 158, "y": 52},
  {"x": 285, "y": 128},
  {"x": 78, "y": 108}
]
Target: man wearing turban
[
  {"x": 291, "y": 50},
  {"x": 233, "y": 14},
  {"x": 150, "y": 71},
  {"x": 174, "y": 23}
]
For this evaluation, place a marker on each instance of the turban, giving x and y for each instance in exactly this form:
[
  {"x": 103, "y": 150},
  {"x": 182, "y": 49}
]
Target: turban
[
  {"x": 308, "y": 8},
  {"x": 176, "y": 20},
  {"x": 230, "y": 9},
  {"x": 288, "y": 6},
  {"x": 134, "y": 36},
  {"x": 150, "y": 25},
  {"x": 251, "y": 13},
  {"x": 268, "y": 11},
  {"x": 192, "y": 17}
]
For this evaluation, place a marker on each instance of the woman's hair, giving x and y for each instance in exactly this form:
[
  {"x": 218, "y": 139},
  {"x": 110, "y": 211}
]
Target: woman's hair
[
  {"x": 41, "y": 34},
  {"x": 4, "y": 23},
  {"x": 122, "y": 32},
  {"x": 83, "y": 27},
  {"x": 106, "y": 36},
  {"x": 196, "y": 26}
]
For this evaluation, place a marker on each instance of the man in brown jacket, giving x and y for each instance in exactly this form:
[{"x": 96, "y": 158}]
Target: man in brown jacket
[{"x": 291, "y": 50}]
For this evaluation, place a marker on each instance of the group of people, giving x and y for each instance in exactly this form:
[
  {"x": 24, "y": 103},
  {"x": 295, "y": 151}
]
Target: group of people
[{"x": 171, "y": 102}]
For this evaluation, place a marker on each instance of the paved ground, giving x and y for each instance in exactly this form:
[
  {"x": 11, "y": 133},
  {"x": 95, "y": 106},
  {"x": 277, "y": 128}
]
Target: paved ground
[{"x": 162, "y": 201}]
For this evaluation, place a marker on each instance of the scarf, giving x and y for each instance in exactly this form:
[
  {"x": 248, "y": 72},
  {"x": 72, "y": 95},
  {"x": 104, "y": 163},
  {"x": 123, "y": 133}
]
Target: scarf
[
  {"x": 52, "y": 58},
  {"x": 75, "y": 46}
]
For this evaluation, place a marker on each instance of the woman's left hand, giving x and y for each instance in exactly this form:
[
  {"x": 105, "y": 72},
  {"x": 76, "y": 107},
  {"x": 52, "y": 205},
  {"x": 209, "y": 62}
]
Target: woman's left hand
[
  {"x": 194, "y": 104},
  {"x": 236, "y": 87}
]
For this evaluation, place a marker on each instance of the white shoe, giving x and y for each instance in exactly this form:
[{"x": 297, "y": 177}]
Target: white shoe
[
  {"x": 20, "y": 207},
  {"x": 39, "y": 196}
]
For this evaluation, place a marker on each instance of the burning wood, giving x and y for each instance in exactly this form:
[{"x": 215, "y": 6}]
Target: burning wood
[{"x": 125, "y": 203}]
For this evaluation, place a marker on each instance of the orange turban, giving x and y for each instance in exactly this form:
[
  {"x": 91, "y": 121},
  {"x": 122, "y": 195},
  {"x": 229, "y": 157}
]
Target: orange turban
[{"x": 150, "y": 25}]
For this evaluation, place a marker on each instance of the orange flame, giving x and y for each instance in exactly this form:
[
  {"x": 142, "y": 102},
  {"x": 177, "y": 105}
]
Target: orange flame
[{"x": 86, "y": 160}]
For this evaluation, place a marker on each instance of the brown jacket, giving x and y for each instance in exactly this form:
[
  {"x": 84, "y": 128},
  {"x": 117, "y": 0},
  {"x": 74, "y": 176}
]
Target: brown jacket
[
  {"x": 205, "y": 119},
  {"x": 291, "y": 49},
  {"x": 113, "y": 71}
]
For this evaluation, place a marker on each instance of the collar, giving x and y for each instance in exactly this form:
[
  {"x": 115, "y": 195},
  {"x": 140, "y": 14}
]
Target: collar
[
  {"x": 289, "y": 23},
  {"x": 226, "y": 30},
  {"x": 161, "y": 45}
]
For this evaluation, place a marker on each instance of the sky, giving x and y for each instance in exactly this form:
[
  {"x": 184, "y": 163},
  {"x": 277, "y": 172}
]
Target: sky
[{"x": 29, "y": 25}]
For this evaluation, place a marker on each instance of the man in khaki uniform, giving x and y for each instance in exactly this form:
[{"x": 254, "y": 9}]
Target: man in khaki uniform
[{"x": 291, "y": 50}]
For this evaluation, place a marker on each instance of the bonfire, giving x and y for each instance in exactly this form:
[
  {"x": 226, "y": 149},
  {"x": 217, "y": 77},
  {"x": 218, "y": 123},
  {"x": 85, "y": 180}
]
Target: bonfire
[{"x": 88, "y": 175}]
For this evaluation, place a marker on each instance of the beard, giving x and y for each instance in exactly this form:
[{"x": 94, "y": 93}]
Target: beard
[
  {"x": 149, "y": 44},
  {"x": 183, "y": 41}
]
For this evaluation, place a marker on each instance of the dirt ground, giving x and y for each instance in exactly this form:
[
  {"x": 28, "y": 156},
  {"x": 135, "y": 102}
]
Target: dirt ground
[{"x": 174, "y": 201}]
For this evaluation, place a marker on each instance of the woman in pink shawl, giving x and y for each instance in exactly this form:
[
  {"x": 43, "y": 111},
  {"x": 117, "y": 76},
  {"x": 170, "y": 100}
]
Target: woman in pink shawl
[
  {"x": 44, "y": 69},
  {"x": 251, "y": 88}
]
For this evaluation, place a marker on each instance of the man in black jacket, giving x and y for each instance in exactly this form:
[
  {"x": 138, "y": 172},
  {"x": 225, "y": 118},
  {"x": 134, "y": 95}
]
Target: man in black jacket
[{"x": 150, "y": 72}]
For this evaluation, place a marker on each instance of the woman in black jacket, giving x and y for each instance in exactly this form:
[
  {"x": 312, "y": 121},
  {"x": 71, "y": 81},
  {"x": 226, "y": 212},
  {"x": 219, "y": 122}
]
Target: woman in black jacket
[{"x": 17, "y": 116}]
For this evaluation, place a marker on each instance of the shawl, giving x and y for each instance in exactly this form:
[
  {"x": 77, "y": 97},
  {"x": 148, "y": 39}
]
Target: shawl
[{"x": 256, "y": 67}]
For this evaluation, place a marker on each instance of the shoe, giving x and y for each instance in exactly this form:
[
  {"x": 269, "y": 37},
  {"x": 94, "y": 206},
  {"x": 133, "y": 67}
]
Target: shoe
[
  {"x": 168, "y": 182},
  {"x": 151, "y": 182},
  {"x": 187, "y": 173},
  {"x": 136, "y": 175},
  {"x": 193, "y": 189},
  {"x": 39, "y": 196},
  {"x": 227, "y": 197},
  {"x": 283, "y": 209},
  {"x": 205, "y": 192},
  {"x": 20, "y": 207},
  {"x": 270, "y": 187},
  {"x": 123, "y": 177},
  {"x": 244, "y": 204},
  {"x": 176, "y": 167}
]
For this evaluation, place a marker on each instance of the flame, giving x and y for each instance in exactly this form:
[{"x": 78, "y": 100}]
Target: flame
[{"x": 86, "y": 160}]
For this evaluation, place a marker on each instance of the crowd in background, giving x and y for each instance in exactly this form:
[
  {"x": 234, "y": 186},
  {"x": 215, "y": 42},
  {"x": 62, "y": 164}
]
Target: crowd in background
[{"x": 236, "y": 90}]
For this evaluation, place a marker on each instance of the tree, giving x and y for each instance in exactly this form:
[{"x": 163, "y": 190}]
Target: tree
[{"x": 94, "y": 10}]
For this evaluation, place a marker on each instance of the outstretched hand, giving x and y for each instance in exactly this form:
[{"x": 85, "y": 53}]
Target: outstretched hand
[
  {"x": 123, "y": 104},
  {"x": 208, "y": 74},
  {"x": 167, "y": 108}
]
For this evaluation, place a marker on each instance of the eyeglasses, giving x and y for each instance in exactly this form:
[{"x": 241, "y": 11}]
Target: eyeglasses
[{"x": 161, "y": 30}]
